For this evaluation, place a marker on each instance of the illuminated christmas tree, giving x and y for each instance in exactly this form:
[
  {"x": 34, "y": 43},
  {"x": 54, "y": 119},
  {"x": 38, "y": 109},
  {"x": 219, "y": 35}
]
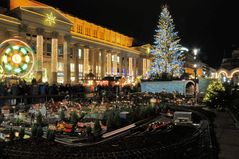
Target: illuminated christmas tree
[
  {"x": 215, "y": 93},
  {"x": 167, "y": 57}
]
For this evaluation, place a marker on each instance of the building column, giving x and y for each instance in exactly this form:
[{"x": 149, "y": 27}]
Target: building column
[
  {"x": 120, "y": 65},
  {"x": 148, "y": 65},
  {"x": 66, "y": 59},
  {"x": 125, "y": 65},
  {"x": 85, "y": 61},
  {"x": 103, "y": 62},
  {"x": 134, "y": 67},
  {"x": 108, "y": 68},
  {"x": 97, "y": 63},
  {"x": 139, "y": 65},
  {"x": 93, "y": 60},
  {"x": 39, "y": 56},
  {"x": 130, "y": 66},
  {"x": 115, "y": 65},
  {"x": 54, "y": 58},
  {"x": 144, "y": 67},
  {"x": 76, "y": 62},
  {"x": 81, "y": 61}
]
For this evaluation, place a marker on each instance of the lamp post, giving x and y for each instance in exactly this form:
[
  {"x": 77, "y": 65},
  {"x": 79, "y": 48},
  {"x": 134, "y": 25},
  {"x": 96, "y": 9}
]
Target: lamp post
[
  {"x": 14, "y": 107},
  {"x": 195, "y": 52},
  {"x": 195, "y": 82}
]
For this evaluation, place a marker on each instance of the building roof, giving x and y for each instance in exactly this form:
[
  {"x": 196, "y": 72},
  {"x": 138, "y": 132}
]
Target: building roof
[
  {"x": 81, "y": 27},
  {"x": 231, "y": 63},
  {"x": 111, "y": 78}
]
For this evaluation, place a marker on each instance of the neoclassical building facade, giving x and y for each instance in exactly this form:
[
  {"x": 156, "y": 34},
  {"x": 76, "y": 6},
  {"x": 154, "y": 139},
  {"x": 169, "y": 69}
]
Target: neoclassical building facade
[{"x": 65, "y": 49}]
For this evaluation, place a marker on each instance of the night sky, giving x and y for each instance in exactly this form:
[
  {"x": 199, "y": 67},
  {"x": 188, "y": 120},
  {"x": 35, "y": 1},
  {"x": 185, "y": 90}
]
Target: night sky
[{"x": 206, "y": 24}]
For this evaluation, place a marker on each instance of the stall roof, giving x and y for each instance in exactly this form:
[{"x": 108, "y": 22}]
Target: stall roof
[{"x": 112, "y": 78}]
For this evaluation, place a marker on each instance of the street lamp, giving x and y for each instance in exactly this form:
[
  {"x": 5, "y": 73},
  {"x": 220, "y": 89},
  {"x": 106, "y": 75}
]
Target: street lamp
[
  {"x": 195, "y": 53},
  {"x": 14, "y": 107},
  {"x": 195, "y": 82}
]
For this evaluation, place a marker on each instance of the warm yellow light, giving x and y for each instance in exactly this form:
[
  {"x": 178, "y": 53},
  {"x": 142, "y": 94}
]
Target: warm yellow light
[
  {"x": 235, "y": 71},
  {"x": 17, "y": 134},
  {"x": 50, "y": 19},
  {"x": 16, "y": 59},
  {"x": 148, "y": 50},
  {"x": 4, "y": 59},
  {"x": 223, "y": 73},
  {"x": 90, "y": 82},
  {"x": 1, "y": 70}
]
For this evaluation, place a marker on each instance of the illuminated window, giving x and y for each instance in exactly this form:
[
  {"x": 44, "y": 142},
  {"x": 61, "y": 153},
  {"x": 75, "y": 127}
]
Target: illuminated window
[
  {"x": 107, "y": 36},
  {"x": 80, "y": 68},
  {"x": 113, "y": 38},
  {"x": 80, "y": 29},
  {"x": 72, "y": 67},
  {"x": 60, "y": 50},
  {"x": 60, "y": 77},
  {"x": 101, "y": 35},
  {"x": 112, "y": 58},
  {"x": 98, "y": 69},
  {"x": 79, "y": 53},
  {"x": 118, "y": 59},
  {"x": 95, "y": 33},
  {"x": 118, "y": 40},
  {"x": 87, "y": 31},
  {"x": 60, "y": 66}
]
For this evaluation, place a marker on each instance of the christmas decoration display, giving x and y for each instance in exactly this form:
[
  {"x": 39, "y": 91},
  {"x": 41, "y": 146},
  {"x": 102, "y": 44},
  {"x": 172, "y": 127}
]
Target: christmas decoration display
[
  {"x": 167, "y": 56},
  {"x": 50, "y": 19},
  {"x": 214, "y": 92},
  {"x": 16, "y": 58}
]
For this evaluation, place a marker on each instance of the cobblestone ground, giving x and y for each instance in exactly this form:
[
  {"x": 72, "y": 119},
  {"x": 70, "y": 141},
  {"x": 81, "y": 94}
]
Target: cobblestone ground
[{"x": 227, "y": 136}]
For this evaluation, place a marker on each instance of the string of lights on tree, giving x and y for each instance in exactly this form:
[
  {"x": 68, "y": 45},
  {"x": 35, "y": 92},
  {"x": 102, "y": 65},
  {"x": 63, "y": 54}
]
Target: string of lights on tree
[
  {"x": 214, "y": 90},
  {"x": 167, "y": 57}
]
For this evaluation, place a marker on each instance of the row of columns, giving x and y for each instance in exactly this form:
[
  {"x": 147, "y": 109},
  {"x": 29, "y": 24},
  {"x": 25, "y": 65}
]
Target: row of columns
[
  {"x": 95, "y": 60},
  {"x": 146, "y": 66},
  {"x": 54, "y": 57}
]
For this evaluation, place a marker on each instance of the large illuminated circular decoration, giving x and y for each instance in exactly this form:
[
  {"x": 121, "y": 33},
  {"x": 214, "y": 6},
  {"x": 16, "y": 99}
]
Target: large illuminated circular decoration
[{"x": 16, "y": 58}]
